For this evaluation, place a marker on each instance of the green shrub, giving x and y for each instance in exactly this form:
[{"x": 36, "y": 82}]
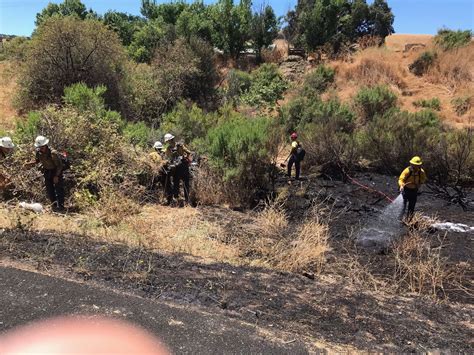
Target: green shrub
[
  {"x": 267, "y": 86},
  {"x": 138, "y": 133},
  {"x": 27, "y": 130},
  {"x": 238, "y": 83},
  {"x": 448, "y": 39},
  {"x": 433, "y": 104},
  {"x": 374, "y": 101},
  {"x": 84, "y": 98},
  {"x": 318, "y": 80},
  {"x": 392, "y": 139},
  {"x": 188, "y": 123},
  {"x": 421, "y": 65},
  {"x": 237, "y": 148},
  {"x": 302, "y": 111},
  {"x": 462, "y": 105}
]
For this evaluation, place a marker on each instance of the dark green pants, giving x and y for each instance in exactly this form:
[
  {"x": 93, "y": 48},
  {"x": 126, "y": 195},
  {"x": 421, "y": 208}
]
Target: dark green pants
[{"x": 409, "y": 198}]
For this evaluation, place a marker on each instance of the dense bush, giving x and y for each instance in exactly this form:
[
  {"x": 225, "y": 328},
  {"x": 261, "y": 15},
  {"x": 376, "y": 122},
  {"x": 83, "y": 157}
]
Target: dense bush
[
  {"x": 67, "y": 50},
  {"x": 139, "y": 134},
  {"x": 374, "y": 101},
  {"x": 448, "y": 39},
  {"x": 267, "y": 86},
  {"x": 15, "y": 49},
  {"x": 237, "y": 148},
  {"x": 303, "y": 111},
  {"x": 421, "y": 65},
  {"x": 103, "y": 163},
  {"x": 238, "y": 83},
  {"x": 145, "y": 40},
  {"x": 179, "y": 70},
  {"x": 433, "y": 104},
  {"x": 188, "y": 123},
  {"x": 393, "y": 138},
  {"x": 318, "y": 80}
]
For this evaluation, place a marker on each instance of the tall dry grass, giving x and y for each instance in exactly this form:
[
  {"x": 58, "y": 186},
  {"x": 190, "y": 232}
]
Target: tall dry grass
[
  {"x": 374, "y": 66},
  {"x": 454, "y": 69},
  {"x": 282, "y": 244}
]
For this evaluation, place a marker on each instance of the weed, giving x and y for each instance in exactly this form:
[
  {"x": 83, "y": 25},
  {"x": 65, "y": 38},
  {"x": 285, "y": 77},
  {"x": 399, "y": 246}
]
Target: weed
[
  {"x": 433, "y": 104},
  {"x": 462, "y": 105}
]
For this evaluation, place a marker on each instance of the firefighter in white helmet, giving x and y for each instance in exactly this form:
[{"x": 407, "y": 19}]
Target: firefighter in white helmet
[{"x": 51, "y": 164}]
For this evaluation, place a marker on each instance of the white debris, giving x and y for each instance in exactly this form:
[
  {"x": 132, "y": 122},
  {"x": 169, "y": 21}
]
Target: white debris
[
  {"x": 35, "y": 207},
  {"x": 453, "y": 227}
]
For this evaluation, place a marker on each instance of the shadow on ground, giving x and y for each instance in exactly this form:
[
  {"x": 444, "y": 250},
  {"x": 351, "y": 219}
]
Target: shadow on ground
[{"x": 325, "y": 308}]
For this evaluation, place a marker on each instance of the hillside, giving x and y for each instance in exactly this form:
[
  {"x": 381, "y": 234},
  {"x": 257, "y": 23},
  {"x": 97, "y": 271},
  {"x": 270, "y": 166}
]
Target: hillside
[
  {"x": 7, "y": 93},
  {"x": 389, "y": 65},
  {"x": 280, "y": 254}
]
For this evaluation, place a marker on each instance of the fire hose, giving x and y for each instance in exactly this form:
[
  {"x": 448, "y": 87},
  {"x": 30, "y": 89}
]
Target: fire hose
[{"x": 368, "y": 188}]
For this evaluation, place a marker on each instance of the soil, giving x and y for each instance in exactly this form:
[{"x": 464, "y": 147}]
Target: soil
[{"x": 326, "y": 307}]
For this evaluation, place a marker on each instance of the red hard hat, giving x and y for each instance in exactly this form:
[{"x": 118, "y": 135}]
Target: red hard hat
[{"x": 294, "y": 135}]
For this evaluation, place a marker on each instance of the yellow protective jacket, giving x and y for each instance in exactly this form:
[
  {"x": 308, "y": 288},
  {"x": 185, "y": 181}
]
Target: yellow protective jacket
[
  {"x": 181, "y": 150},
  {"x": 412, "y": 179},
  {"x": 294, "y": 147}
]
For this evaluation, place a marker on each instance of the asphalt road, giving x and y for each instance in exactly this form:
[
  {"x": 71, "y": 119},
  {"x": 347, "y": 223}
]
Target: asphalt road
[{"x": 27, "y": 296}]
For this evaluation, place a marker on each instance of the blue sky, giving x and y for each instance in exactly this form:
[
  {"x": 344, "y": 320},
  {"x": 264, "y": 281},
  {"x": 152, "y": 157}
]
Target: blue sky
[{"x": 411, "y": 16}]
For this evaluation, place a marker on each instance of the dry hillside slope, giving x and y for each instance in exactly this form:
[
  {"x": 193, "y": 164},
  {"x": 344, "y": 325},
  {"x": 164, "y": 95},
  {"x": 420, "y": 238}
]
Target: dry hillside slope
[
  {"x": 450, "y": 78},
  {"x": 7, "y": 92}
]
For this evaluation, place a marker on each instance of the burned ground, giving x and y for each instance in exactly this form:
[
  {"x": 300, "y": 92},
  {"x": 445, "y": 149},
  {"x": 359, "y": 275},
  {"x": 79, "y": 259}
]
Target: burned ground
[{"x": 328, "y": 306}]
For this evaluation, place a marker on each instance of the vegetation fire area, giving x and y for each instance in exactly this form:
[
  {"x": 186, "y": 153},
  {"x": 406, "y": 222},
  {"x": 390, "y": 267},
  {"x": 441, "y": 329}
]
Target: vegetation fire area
[{"x": 173, "y": 138}]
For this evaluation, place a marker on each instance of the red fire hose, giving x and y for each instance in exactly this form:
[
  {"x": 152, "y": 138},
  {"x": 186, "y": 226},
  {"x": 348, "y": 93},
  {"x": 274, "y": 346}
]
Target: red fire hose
[{"x": 355, "y": 182}]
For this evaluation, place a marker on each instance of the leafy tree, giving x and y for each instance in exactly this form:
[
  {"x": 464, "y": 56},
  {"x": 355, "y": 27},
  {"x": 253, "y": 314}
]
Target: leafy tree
[
  {"x": 67, "y": 50},
  {"x": 168, "y": 12},
  {"x": 124, "y": 24},
  {"x": 232, "y": 25},
  {"x": 196, "y": 21},
  {"x": 264, "y": 28},
  {"x": 315, "y": 23},
  {"x": 146, "y": 39},
  {"x": 66, "y": 8},
  {"x": 381, "y": 19}
]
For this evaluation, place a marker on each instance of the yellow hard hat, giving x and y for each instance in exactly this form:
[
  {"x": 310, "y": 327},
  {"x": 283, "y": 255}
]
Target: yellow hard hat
[{"x": 416, "y": 161}]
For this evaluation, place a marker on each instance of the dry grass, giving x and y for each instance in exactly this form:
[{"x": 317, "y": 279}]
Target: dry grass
[
  {"x": 454, "y": 69},
  {"x": 208, "y": 188},
  {"x": 155, "y": 228},
  {"x": 307, "y": 252},
  {"x": 7, "y": 92},
  {"x": 373, "y": 66}
]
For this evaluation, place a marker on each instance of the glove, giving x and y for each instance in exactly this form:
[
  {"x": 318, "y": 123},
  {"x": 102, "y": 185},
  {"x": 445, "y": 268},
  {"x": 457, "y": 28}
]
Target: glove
[{"x": 401, "y": 189}]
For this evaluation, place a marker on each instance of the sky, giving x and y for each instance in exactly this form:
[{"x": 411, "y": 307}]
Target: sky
[{"x": 411, "y": 16}]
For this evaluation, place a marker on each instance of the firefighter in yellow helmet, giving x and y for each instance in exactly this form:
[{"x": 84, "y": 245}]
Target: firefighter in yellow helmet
[{"x": 410, "y": 181}]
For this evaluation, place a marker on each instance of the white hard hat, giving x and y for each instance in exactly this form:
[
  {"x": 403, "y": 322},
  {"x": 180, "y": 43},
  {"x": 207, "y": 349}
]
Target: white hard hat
[
  {"x": 41, "y": 141},
  {"x": 6, "y": 142},
  {"x": 168, "y": 137},
  {"x": 158, "y": 145}
]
